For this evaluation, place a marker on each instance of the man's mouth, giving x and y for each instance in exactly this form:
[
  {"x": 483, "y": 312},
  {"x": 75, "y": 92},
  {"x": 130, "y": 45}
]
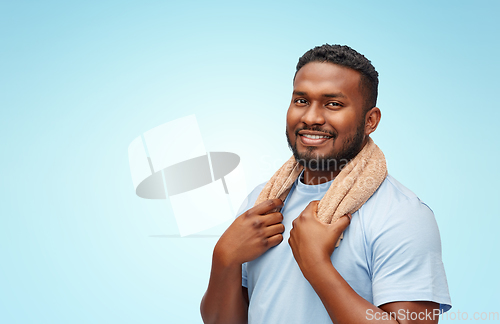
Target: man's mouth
[{"x": 310, "y": 138}]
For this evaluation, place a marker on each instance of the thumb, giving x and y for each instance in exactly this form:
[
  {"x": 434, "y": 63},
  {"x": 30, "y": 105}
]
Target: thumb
[
  {"x": 312, "y": 208},
  {"x": 342, "y": 223},
  {"x": 316, "y": 208}
]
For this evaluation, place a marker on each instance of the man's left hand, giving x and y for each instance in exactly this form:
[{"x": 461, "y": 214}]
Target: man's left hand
[{"x": 313, "y": 241}]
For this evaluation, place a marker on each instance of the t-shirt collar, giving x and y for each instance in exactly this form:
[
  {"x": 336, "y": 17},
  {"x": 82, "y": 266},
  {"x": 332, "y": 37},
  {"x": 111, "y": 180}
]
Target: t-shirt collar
[{"x": 305, "y": 188}]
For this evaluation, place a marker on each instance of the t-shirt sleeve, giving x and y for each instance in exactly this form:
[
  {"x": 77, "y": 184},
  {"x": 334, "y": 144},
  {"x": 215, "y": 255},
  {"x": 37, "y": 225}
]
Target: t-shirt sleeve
[{"x": 406, "y": 257}]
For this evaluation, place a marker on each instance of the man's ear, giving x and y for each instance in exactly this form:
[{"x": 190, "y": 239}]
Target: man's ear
[{"x": 372, "y": 118}]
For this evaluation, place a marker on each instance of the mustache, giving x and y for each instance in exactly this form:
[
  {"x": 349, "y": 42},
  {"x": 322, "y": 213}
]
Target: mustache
[{"x": 316, "y": 129}]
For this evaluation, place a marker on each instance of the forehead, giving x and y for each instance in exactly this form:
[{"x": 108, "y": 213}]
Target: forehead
[{"x": 324, "y": 77}]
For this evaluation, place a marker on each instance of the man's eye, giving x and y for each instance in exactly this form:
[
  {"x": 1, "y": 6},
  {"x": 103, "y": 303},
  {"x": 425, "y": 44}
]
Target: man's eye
[
  {"x": 300, "y": 101},
  {"x": 334, "y": 104}
]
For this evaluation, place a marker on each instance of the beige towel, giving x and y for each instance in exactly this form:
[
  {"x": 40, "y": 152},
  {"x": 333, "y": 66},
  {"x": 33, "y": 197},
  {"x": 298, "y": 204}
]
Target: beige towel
[{"x": 352, "y": 187}]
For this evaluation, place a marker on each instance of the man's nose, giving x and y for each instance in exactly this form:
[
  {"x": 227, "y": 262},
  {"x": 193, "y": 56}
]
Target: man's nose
[{"x": 313, "y": 115}]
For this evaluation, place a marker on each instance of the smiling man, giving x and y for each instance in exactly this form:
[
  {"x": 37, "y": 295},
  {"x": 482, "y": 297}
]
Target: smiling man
[{"x": 288, "y": 259}]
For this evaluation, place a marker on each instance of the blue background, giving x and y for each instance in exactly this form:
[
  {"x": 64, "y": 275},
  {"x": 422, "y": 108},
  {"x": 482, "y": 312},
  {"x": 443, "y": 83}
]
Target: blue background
[{"x": 80, "y": 80}]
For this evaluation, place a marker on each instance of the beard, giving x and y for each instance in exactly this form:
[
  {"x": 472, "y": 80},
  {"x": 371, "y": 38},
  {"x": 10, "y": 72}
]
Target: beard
[{"x": 334, "y": 160}]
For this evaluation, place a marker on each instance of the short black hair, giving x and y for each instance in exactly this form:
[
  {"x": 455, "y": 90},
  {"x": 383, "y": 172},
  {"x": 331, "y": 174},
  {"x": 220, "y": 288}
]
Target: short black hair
[{"x": 345, "y": 56}]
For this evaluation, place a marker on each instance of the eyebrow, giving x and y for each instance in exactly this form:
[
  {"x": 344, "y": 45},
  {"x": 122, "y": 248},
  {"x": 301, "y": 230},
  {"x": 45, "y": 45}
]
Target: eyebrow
[
  {"x": 328, "y": 95},
  {"x": 334, "y": 95}
]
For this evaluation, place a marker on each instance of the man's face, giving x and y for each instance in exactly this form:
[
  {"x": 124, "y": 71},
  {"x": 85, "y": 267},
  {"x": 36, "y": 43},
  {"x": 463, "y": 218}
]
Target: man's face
[{"x": 325, "y": 121}]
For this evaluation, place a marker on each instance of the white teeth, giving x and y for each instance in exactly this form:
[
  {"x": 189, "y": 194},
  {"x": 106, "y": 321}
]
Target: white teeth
[{"x": 314, "y": 136}]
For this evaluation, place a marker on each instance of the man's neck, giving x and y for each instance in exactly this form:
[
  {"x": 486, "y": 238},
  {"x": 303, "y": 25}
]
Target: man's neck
[{"x": 316, "y": 177}]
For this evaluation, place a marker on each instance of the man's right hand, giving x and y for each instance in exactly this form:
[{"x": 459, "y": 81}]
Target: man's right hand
[{"x": 251, "y": 234}]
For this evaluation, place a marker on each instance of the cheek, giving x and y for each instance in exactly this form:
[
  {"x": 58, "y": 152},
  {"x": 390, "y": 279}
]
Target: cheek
[
  {"x": 294, "y": 115},
  {"x": 291, "y": 120},
  {"x": 288, "y": 114},
  {"x": 344, "y": 122}
]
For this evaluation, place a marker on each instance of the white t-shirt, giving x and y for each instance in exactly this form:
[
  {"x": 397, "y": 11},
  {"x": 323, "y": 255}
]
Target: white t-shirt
[{"x": 391, "y": 251}]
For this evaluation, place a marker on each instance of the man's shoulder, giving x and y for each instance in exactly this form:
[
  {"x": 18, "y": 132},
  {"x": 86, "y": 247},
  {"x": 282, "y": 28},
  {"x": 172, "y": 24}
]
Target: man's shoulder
[
  {"x": 394, "y": 204},
  {"x": 391, "y": 198},
  {"x": 394, "y": 194}
]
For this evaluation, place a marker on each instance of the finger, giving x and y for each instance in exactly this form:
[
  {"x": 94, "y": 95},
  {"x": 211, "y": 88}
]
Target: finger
[
  {"x": 266, "y": 206},
  {"x": 274, "y": 229},
  {"x": 316, "y": 208},
  {"x": 342, "y": 223},
  {"x": 272, "y": 218},
  {"x": 274, "y": 240},
  {"x": 312, "y": 208}
]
